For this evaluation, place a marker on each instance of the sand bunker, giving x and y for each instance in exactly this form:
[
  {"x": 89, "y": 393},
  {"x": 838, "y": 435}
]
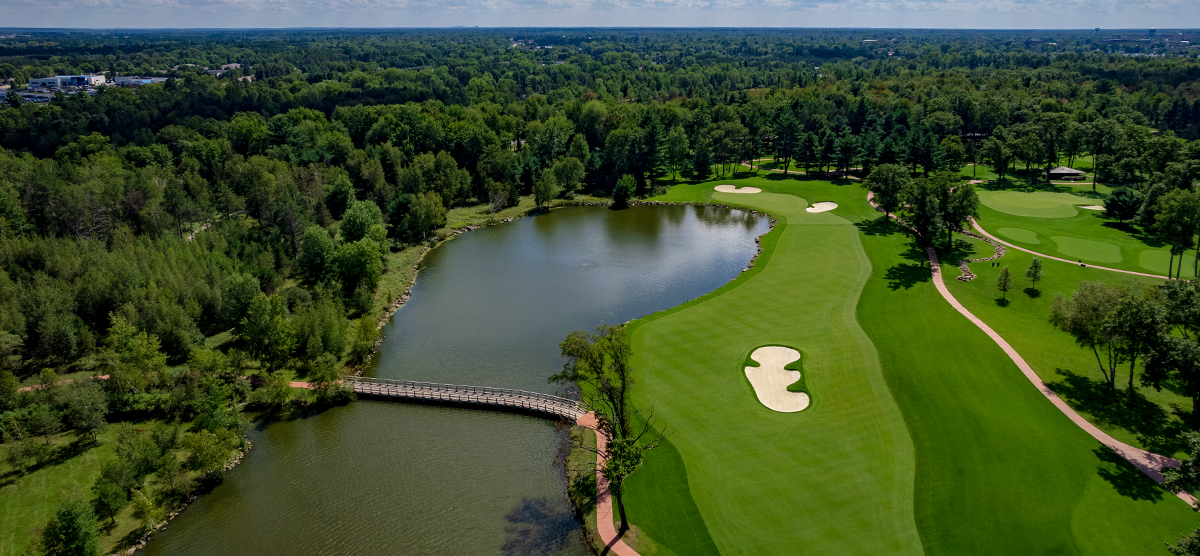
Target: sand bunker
[
  {"x": 1093, "y": 207},
  {"x": 822, "y": 207},
  {"x": 727, "y": 188},
  {"x": 770, "y": 380}
]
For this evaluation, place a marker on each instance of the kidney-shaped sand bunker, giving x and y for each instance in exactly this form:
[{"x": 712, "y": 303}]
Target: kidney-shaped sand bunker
[{"x": 771, "y": 380}]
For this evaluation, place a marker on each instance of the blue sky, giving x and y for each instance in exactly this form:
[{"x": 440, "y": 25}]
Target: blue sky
[{"x": 976, "y": 14}]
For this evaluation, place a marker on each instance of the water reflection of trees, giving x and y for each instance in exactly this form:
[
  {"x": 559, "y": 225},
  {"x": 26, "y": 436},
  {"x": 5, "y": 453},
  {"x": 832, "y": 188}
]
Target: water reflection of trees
[
  {"x": 713, "y": 216},
  {"x": 538, "y": 527}
]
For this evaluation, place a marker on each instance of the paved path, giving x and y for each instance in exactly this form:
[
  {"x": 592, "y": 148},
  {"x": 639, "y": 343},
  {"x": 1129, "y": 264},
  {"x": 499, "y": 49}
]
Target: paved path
[
  {"x": 1149, "y": 463},
  {"x": 604, "y": 505},
  {"x": 1045, "y": 256}
]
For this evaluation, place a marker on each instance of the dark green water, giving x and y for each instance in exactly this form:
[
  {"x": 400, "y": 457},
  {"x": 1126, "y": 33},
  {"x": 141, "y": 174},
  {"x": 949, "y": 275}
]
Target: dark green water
[{"x": 489, "y": 309}]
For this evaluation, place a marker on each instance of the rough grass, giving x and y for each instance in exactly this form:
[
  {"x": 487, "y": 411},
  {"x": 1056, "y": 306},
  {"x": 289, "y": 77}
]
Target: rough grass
[{"x": 767, "y": 482}]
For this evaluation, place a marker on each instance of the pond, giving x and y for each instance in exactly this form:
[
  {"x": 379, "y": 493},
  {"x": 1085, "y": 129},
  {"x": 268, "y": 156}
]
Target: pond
[{"x": 488, "y": 309}]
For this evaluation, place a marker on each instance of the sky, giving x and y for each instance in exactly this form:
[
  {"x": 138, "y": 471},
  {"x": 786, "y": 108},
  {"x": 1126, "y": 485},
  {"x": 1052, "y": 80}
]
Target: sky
[{"x": 968, "y": 14}]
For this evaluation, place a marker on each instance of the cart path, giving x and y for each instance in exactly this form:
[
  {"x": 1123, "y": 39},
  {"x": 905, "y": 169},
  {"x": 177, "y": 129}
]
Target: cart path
[{"x": 604, "y": 505}]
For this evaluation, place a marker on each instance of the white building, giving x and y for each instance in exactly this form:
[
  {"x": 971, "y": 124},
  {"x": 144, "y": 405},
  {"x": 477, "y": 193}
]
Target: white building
[{"x": 61, "y": 81}]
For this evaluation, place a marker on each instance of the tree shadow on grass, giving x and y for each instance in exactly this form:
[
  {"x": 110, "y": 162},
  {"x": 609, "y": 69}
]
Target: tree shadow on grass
[
  {"x": 1128, "y": 480},
  {"x": 907, "y": 275},
  {"x": 1002, "y": 301},
  {"x": 1156, "y": 429},
  {"x": 1033, "y": 292},
  {"x": 536, "y": 527},
  {"x": 880, "y": 226}
]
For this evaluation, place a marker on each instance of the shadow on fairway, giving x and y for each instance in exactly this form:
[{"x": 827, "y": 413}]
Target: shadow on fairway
[
  {"x": 1156, "y": 430},
  {"x": 535, "y": 527},
  {"x": 881, "y": 226},
  {"x": 1125, "y": 478}
]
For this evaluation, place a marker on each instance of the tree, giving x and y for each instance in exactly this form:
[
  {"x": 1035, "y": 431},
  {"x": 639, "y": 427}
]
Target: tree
[
  {"x": 623, "y": 191},
  {"x": 888, "y": 183},
  {"x": 315, "y": 259},
  {"x": 997, "y": 153},
  {"x": 9, "y": 386},
  {"x": 267, "y": 333},
  {"x": 954, "y": 153},
  {"x": 568, "y": 172},
  {"x": 365, "y": 336},
  {"x": 110, "y": 498},
  {"x": 131, "y": 357},
  {"x": 43, "y": 421},
  {"x": 1004, "y": 282},
  {"x": 359, "y": 219},
  {"x": 545, "y": 189},
  {"x": 1083, "y": 315},
  {"x": 599, "y": 364},
  {"x": 1135, "y": 325},
  {"x": 923, "y": 209},
  {"x": 677, "y": 151},
  {"x": 145, "y": 509},
  {"x": 1186, "y": 478},
  {"x": 359, "y": 265},
  {"x": 787, "y": 138},
  {"x": 206, "y": 453},
  {"x": 86, "y": 407},
  {"x": 1188, "y": 545},
  {"x": 1177, "y": 217},
  {"x": 428, "y": 213},
  {"x": 961, "y": 206},
  {"x": 1034, "y": 272},
  {"x": 1122, "y": 204},
  {"x": 72, "y": 531},
  {"x": 702, "y": 161}
]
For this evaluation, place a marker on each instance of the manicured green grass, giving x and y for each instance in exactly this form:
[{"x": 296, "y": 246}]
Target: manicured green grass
[
  {"x": 1041, "y": 204},
  {"x": 1149, "y": 421},
  {"x": 1089, "y": 236},
  {"x": 999, "y": 469},
  {"x": 767, "y": 482}
]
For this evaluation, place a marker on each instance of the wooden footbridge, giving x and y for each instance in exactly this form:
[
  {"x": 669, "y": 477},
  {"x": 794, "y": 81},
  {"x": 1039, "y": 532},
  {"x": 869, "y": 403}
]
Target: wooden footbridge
[{"x": 430, "y": 392}]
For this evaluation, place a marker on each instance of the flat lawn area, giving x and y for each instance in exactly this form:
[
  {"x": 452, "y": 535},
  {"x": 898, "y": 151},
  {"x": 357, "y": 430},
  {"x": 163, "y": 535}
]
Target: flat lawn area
[
  {"x": 1045, "y": 221},
  {"x": 989, "y": 466},
  {"x": 768, "y": 482},
  {"x": 1149, "y": 420}
]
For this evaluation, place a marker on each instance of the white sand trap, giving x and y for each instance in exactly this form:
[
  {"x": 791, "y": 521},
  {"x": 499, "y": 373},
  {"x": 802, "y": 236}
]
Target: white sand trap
[
  {"x": 822, "y": 206},
  {"x": 1093, "y": 207},
  {"x": 770, "y": 380},
  {"x": 726, "y": 188}
]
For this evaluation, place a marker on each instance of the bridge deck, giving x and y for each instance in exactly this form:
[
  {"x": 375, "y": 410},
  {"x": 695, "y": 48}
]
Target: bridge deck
[{"x": 479, "y": 395}]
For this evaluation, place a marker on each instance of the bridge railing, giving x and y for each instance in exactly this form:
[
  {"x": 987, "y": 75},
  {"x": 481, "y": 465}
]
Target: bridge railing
[{"x": 469, "y": 390}]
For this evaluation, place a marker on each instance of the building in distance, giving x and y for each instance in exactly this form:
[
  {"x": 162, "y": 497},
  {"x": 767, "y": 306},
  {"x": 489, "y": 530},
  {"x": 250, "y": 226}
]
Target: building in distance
[{"x": 64, "y": 81}]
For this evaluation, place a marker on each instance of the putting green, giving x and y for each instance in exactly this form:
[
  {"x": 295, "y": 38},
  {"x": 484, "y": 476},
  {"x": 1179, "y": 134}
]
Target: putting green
[
  {"x": 1020, "y": 234},
  {"x": 1040, "y": 204},
  {"x": 782, "y": 483},
  {"x": 1088, "y": 250}
]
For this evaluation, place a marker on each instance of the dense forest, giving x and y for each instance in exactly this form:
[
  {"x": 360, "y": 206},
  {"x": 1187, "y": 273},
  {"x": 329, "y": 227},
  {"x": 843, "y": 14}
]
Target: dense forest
[{"x": 182, "y": 236}]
